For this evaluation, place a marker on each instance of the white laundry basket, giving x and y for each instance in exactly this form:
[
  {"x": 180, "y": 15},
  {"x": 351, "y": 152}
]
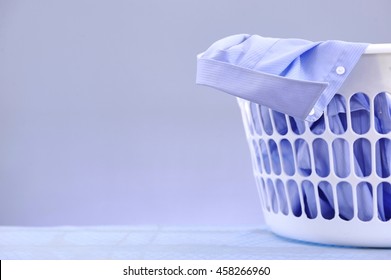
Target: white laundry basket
[{"x": 292, "y": 199}]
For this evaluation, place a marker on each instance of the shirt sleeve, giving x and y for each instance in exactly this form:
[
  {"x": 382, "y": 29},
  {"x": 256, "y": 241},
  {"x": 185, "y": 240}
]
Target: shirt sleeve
[{"x": 292, "y": 76}]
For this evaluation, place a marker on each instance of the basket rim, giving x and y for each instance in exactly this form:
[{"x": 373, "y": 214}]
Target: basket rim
[{"x": 378, "y": 48}]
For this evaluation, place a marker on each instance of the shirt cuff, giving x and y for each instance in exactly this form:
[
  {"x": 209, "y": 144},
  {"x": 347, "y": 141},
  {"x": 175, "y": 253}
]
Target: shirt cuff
[{"x": 295, "y": 98}]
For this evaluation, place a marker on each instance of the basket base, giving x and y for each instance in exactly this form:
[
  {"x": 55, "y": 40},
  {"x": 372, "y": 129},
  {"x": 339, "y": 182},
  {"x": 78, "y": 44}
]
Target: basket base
[{"x": 354, "y": 233}]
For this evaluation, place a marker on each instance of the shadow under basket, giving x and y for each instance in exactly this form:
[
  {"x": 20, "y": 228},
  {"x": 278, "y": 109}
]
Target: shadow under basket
[{"x": 329, "y": 181}]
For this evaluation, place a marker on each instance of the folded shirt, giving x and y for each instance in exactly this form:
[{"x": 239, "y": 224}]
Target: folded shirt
[{"x": 292, "y": 76}]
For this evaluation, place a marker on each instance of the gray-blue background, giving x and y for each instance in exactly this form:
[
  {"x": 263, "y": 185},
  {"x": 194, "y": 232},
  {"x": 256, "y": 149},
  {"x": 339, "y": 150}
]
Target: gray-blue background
[{"x": 100, "y": 119}]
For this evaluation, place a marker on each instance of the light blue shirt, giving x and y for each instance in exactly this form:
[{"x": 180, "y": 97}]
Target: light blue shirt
[{"x": 292, "y": 76}]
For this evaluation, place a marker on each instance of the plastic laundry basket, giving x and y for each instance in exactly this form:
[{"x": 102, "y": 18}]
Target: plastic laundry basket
[{"x": 331, "y": 184}]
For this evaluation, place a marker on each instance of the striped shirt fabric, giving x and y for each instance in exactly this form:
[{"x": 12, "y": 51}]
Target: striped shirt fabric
[{"x": 292, "y": 76}]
